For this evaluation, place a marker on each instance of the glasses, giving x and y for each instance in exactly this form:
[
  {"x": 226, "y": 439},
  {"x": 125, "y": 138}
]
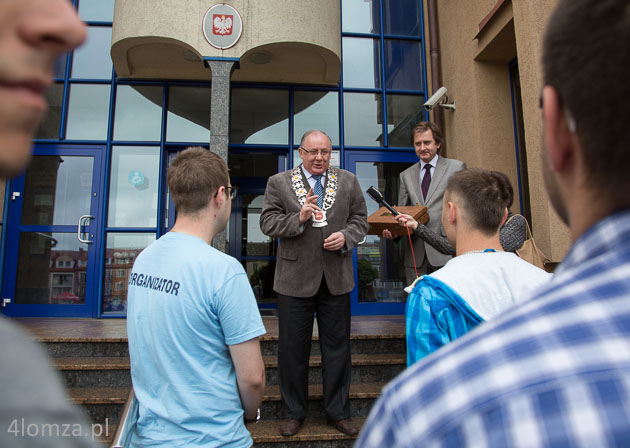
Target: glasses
[
  {"x": 315, "y": 152},
  {"x": 233, "y": 191}
]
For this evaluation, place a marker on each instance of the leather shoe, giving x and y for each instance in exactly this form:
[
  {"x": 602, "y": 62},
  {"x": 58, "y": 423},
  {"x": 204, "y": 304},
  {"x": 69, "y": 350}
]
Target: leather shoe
[
  {"x": 345, "y": 426},
  {"x": 289, "y": 427}
]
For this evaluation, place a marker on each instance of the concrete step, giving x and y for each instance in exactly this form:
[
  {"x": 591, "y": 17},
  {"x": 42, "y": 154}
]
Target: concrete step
[
  {"x": 313, "y": 433},
  {"x": 104, "y": 404},
  {"x": 114, "y": 371},
  {"x": 360, "y": 344}
]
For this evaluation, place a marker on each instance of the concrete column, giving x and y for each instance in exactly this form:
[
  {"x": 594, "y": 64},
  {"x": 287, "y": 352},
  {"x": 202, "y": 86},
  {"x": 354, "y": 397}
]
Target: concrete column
[{"x": 220, "y": 120}]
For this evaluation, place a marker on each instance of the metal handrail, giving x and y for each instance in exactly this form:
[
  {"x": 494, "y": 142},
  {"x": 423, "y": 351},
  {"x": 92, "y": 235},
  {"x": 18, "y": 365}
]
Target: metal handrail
[{"x": 127, "y": 424}]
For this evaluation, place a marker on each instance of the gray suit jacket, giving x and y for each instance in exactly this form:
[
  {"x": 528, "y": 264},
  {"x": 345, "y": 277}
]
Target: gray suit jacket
[
  {"x": 302, "y": 259},
  {"x": 411, "y": 194}
]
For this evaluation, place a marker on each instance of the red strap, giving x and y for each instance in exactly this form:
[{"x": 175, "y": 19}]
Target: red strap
[{"x": 412, "y": 254}]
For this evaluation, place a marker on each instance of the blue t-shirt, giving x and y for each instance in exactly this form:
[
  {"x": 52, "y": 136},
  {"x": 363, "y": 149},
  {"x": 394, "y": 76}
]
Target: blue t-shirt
[{"x": 187, "y": 303}]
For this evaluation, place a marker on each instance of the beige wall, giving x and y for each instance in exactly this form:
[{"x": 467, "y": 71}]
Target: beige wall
[
  {"x": 475, "y": 71},
  {"x": 162, "y": 39}
]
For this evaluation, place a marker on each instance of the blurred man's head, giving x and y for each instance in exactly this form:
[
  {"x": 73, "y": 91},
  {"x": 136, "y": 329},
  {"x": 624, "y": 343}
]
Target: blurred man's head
[
  {"x": 481, "y": 197},
  {"x": 586, "y": 100},
  {"x": 33, "y": 34},
  {"x": 194, "y": 177}
]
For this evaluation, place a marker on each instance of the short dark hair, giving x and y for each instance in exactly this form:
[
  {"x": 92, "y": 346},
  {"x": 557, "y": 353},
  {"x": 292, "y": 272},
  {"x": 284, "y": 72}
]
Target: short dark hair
[
  {"x": 586, "y": 59},
  {"x": 425, "y": 126},
  {"x": 482, "y": 195},
  {"x": 194, "y": 176}
]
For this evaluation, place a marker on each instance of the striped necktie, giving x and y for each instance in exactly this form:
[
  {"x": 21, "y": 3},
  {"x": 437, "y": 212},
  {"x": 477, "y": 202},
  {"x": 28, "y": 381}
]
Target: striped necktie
[{"x": 318, "y": 189}]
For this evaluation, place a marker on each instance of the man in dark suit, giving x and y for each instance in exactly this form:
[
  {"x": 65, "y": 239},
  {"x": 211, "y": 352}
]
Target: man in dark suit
[
  {"x": 423, "y": 184},
  {"x": 319, "y": 215}
]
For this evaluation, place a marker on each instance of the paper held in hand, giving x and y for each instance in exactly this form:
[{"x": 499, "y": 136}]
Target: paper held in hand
[{"x": 383, "y": 219}]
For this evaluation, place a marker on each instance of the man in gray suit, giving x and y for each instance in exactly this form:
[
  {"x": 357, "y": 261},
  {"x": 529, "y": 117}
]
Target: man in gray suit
[
  {"x": 423, "y": 184},
  {"x": 319, "y": 215}
]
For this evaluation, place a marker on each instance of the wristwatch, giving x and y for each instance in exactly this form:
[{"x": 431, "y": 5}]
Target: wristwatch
[{"x": 253, "y": 420}]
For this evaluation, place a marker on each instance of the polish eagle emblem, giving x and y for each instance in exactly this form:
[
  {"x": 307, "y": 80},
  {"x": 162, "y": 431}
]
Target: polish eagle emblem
[{"x": 222, "y": 24}]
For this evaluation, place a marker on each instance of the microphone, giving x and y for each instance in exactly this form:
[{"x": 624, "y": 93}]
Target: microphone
[{"x": 378, "y": 197}]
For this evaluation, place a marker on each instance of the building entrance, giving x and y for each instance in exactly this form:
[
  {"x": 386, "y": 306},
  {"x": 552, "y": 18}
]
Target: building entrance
[{"x": 52, "y": 239}]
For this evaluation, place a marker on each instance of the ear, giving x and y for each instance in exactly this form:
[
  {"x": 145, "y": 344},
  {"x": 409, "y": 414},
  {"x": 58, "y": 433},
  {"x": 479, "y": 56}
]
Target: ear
[
  {"x": 452, "y": 212},
  {"x": 219, "y": 198},
  {"x": 558, "y": 137},
  {"x": 505, "y": 215}
]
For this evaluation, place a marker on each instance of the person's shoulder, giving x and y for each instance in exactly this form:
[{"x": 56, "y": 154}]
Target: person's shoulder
[
  {"x": 415, "y": 166},
  {"x": 452, "y": 162}
]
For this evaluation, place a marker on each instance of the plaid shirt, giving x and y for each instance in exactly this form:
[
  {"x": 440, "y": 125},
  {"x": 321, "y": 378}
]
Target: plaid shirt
[{"x": 554, "y": 371}]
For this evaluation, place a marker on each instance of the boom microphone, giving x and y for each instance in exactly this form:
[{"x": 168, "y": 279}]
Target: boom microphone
[{"x": 378, "y": 197}]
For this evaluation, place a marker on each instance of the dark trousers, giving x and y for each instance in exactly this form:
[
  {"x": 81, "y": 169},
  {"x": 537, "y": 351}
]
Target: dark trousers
[{"x": 295, "y": 325}]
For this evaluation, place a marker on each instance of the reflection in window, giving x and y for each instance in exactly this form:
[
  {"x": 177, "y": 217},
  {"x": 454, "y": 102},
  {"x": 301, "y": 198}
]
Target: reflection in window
[
  {"x": 92, "y": 59},
  {"x": 380, "y": 265},
  {"x": 360, "y": 16},
  {"x": 138, "y": 113},
  {"x": 133, "y": 197},
  {"x": 403, "y": 65},
  {"x": 361, "y": 63},
  {"x": 255, "y": 243},
  {"x": 96, "y": 10},
  {"x": 48, "y": 270},
  {"x": 60, "y": 66},
  {"x": 188, "y": 114},
  {"x": 122, "y": 250},
  {"x": 362, "y": 119},
  {"x": 49, "y": 127},
  {"x": 401, "y": 17},
  {"x": 57, "y": 190},
  {"x": 316, "y": 110},
  {"x": 403, "y": 113},
  {"x": 260, "y": 274},
  {"x": 259, "y": 116},
  {"x": 88, "y": 112}
]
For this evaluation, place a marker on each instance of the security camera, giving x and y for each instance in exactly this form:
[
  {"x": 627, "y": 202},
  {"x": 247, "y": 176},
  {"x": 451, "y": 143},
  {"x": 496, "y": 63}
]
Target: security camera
[{"x": 439, "y": 98}]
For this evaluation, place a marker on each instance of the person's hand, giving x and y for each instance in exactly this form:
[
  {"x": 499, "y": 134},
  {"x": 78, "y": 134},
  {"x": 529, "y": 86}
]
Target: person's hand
[
  {"x": 407, "y": 221},
  {"x": 335, "y": 241},
  {"x": 387, "y": 234},
  {"x": 309, "y": 207}
]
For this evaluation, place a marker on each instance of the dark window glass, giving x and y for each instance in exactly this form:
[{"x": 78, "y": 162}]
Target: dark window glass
[
  {"x": 88, "y": 112},
  {"x": 316, "y": 110},
  {"x": 57, "y": 190},
  {"x": 401, "y": 17},
  {"x": 380, "y": 262},
  {"x": 403, "y": 113},
  {"x": 252, "y": 164},
  {"x": 60, "y": 66},
  {"x": 259, "y": 116},
  {"x": 188, "y": 114},
  {"x": 403, "y": 65},
  {"x": 122, "y": 250},
  {"x": 360, "y": 16},
  {"x": 51, "y": 269},
  {"x": 49, "y": 127},
  {"x": 260, "y": 275},
  {"x": 96, "y": 10},
  {"x": 363, "y": 119},
  {"x": 92, "y": 60},
  {"x": 138, "y": 113},
  {"x": 361, "y": 63}
]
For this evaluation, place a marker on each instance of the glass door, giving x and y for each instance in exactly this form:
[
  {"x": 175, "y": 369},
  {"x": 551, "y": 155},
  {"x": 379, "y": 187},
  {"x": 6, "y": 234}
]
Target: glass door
[
  {"x": 51, "y": 266},
  {"x": 380, "y": 270}
]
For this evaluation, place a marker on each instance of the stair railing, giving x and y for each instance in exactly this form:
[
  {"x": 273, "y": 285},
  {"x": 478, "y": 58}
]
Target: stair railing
[{"x": 127, "y": 423}]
